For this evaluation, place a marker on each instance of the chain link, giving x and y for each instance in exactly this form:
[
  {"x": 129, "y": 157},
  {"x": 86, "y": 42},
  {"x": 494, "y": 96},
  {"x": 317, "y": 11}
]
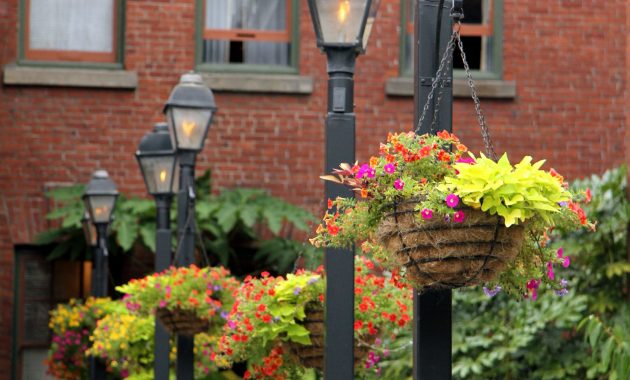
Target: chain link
[{"x": 480, "y": 116}]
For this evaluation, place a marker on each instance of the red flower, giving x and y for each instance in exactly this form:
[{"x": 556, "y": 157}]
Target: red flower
[
  {"x": 358, "y": 324},
  {"x": 333, "y": 230},
  {"x": 330, "y": 203}
]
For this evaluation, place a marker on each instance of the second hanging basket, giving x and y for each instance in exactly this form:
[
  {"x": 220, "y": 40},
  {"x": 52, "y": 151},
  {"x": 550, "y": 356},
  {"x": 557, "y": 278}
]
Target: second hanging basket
[
  {"x": 182, "y": 322},
  {"x": 443, "y": 254},
  {"x": 313, "y": 356}
]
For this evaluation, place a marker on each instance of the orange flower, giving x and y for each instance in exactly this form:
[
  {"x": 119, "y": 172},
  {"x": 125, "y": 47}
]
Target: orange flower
[
  {"x": 444, "y": 134},
  {"x": 373, "y": 161},
  {"x": 462, "y": 147},
  {"x": 330, "y": 203},
  {"x": 364, "y": 193}
]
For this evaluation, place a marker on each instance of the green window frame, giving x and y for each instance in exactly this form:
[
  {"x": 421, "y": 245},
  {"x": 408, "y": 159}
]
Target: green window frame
[
  {"x": 77, "y": 59},
  {"x": 293, "y": 32},
  {"x": 494, "y": 44}
]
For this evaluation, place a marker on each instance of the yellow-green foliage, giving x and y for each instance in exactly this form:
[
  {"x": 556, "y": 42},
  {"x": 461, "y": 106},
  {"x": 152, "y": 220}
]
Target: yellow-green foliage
[{"x": 515, "y": 193}]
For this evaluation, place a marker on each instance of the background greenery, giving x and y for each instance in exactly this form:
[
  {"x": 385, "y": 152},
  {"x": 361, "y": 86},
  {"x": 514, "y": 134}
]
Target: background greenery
[{"x": 246, "y": 230}]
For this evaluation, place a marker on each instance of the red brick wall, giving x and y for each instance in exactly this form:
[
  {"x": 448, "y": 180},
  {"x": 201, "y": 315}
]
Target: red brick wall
[{"x": 567, "y": 57}]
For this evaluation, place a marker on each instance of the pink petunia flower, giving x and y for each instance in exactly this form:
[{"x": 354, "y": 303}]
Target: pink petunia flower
[
  {"x": 566, "y": 262},
  {"x": 550, "y": 272},
  {"x": 452, "y": 200},
  {"x": 459, "y": 217},
  {"x": 389, "y": 168},
  {"x": 427, "y": 214},
  {"x": 399, "y": 184}
]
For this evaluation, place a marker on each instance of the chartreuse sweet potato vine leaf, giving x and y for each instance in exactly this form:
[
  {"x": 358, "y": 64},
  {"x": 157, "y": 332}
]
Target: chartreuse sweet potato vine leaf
[{"x": 516, "y": 193}]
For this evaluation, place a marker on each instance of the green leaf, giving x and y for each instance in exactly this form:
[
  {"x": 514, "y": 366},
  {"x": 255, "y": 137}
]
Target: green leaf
[
  {"x": 274, "y": 220},
  {"x": 147, "y": 232}
]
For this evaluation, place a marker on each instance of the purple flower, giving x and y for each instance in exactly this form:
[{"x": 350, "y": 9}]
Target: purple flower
[
  {"x": 562, "y": 204},
  {"x": 459, "y": 217},
  {"x": 427, "y": 214},
  {"x": 224, "y": 314},
  {"x": 389, "y": 168},
  {"x": 312, "y": 280},
  {"x": 452, "y": 200},
  {"x": 492, "y": 292},
  {"x": 562, "y": 292},
  {"x": 297, "y": 290},
  {"x": 399, "y": 184},
  {"x": 216, "y": 288},
  {"x": 564, "y": 283}
]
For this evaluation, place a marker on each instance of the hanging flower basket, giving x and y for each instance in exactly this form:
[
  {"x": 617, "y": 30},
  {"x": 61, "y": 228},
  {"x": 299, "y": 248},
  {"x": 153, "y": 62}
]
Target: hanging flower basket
[
  {"x": 182, "y": 322},
  {"x": 313, "y": 356},
  {"x": 441, "y": 254}
]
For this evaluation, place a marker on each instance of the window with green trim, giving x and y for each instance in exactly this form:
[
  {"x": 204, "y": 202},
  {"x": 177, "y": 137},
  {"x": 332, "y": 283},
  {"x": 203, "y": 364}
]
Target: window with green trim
[
  {"x": 481, "y": 35},
  {"x": 248, "y": 35},
  {"x": 71, "y": 31}
]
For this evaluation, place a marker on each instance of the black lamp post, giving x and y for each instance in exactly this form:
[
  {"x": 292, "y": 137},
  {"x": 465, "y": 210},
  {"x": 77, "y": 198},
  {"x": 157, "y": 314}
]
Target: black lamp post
[
  {"x": 342, "y": 28},
  {"x": 99, "y": 199},
  {"x": 158, "y": 164},
  {"x": 189, "y": 112}
]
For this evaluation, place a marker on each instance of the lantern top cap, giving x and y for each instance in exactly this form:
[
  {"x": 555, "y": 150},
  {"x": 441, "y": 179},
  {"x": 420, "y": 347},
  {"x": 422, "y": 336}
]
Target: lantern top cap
[
  {"x": 156, "y": 142},
  {"x": 100, "y": 184},
  {"x": 191, "y": 92}
]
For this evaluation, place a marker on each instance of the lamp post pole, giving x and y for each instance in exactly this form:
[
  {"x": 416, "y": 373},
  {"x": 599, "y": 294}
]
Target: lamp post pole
[
  {"x": 99, "y": 199},
  {"x": 186, "y": 251},
  {"x": 432, "y": 311},
  {"x": 339, "y": 263},
  {"x": 189, "y": 112},
  {"x": 162, "y": 262},
  {"x": 158, "y": 164}
]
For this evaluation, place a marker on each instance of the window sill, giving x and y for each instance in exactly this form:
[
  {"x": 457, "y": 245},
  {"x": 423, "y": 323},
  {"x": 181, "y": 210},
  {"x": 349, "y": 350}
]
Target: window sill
[
  {"x": 69, "y": 77},
  {"x": 259, "y": 83},
  {"x": 486, "y": 88}
]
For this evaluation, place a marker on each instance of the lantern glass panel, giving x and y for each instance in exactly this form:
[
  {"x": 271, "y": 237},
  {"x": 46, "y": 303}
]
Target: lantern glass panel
[
  {"x": 100, "y": 207},
  {"x": 370, "y": 22},
  {"x": 158, "y": 173},
  {"x": 340, "y": 20},
  {"x": 188, "y": 126}
]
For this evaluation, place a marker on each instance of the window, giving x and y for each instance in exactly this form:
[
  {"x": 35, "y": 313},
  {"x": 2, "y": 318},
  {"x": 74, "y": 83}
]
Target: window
[
  {"x": 248, "y": 35},
  {"x": 72, "y": 30},
  {"x": 481, "y": 36}
]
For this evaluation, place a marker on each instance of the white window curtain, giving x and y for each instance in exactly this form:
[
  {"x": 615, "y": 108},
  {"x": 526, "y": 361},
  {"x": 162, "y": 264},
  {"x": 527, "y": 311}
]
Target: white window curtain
[
  {"x": 76, "y": 25},
  {"x": 247, "y": 14}
]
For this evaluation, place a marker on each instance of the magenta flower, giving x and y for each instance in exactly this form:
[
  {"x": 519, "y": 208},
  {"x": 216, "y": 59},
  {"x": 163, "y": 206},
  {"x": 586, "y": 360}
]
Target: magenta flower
[
  {"x": 399, "y": 184},
  {"x": 466, "y": 160},
  {"x": 389, "y": 168},
  {"x": 560, "y": 252},
  {"x": 532, "y": 285},
  {"x": 566, "y": 262},
  {"x": 427, "y": 214},
  {"x": 162, "y": 303},
  {"x": 459, "y": 217},
  {"x": 550, "y": 273},
  {"x": 452, "y": 200}
]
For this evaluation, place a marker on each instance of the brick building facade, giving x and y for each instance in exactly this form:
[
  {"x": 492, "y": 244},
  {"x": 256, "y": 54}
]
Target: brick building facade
[{"x": 559, "y": 92}]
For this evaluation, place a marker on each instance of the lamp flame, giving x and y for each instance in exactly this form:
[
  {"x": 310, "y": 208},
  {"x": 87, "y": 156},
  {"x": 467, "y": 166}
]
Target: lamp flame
[
  {"x": 163, "y": 175},
  {"x": 188, "y": 127},
  {"x": 98, "y": 211},
  {"x": 344, "y": 10}
]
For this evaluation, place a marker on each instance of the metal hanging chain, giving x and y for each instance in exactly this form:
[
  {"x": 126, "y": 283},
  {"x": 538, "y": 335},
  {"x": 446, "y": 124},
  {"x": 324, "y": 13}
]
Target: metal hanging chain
[
  {"x": 480, "y": 116},
  {"x": 435, "y": 123},
  {"x": 436, "y": 81},
  {"x": 439, "y": 81}
]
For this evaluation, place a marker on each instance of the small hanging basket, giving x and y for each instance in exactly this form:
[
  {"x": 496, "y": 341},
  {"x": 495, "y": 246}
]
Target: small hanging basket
[
  {"x": 313, "y": 356},
  {"x": 182, "y": 322},
  {"x": 439, "y": 254}
]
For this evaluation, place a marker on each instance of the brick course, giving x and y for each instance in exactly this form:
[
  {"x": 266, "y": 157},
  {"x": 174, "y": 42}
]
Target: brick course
[{"x": 567, "y": 57}]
